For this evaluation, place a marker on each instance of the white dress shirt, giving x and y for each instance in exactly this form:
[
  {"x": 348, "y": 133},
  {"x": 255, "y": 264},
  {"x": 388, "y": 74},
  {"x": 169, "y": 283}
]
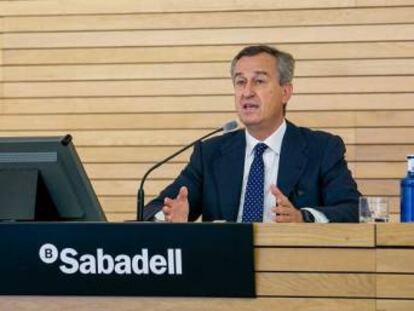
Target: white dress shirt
[{"x": 271, "y": 158}]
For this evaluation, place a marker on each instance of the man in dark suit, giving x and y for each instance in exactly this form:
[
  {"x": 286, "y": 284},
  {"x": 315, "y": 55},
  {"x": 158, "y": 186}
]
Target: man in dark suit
[{"x": 299, "y": 175}]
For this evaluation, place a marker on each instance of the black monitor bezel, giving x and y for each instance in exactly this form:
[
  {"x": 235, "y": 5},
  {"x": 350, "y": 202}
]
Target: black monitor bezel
[{"x": 60, "y": 171}]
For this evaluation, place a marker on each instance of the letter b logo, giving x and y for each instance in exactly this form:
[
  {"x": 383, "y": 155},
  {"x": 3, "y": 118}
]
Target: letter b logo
[{"x": 48, "y": 253}]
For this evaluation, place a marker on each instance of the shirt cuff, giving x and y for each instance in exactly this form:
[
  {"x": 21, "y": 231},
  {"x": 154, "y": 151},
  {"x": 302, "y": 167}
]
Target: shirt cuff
[
  {"x": 319, "y": 216},
  {"x": 159, "y": 217}
]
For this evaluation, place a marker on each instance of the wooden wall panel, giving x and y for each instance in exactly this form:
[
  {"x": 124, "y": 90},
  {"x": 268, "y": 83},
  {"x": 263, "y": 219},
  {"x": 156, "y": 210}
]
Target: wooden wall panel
[
  {"x": 193, "y": 103},
  {"x": 316, "y": 284},
  {"x": 189, "y": 304},
  {"x": 1, "y": 59},
  {"x": 372, "y": 187},
  {"x": 206, "y": 87},
  {"x": 205, "y": 53},
  {"x": 365, "y": 170},
  {"x": 395, "y": 260},
  {"x": 395, "y": 305},
  {"x": 200, "y": 120},
  {"x": 133, "y": 81},
  {"x": 174, "y": 37},
  {"x": 395, "y": 235},
  {"x": 268, "y": 18},
  {"x": 124, "y": 207},
  {"x": 315, "y": 235},
  {"x": 48, "y": 7},
  {"x": 315, "y": 259},
  {"x": 395, "y": 286},
  {"x": 207, "y": 70}
]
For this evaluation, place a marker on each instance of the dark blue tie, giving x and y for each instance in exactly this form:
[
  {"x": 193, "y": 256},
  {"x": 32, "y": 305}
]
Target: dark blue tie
[{"x": 254, "y": 197}]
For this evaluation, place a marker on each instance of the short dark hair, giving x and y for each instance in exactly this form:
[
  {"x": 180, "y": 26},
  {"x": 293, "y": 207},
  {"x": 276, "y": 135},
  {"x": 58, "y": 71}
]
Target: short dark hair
[{"x": 285, "y": 61}]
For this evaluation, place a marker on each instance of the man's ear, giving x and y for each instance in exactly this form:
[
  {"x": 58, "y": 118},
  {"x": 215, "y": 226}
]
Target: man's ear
[{"x": 287, "y": 91}]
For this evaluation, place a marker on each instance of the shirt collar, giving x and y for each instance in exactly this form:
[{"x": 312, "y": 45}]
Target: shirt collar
[{"x": 273, "y": 142}]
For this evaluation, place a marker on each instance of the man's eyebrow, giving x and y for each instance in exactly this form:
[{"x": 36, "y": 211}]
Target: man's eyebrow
[
  {"x": 261, "y": 72},
  {"x": 258, "y": 72}
]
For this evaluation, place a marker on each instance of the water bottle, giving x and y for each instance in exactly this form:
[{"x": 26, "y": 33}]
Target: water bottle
[{"x": 407, "y": 193}]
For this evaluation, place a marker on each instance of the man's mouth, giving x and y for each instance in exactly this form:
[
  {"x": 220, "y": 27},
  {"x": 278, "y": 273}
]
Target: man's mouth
[{"x": 250, "y": 106}]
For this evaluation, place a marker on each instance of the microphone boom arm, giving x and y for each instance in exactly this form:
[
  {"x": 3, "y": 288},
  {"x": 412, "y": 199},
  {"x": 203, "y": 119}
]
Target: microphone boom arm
[{"x": 141, "y": 194}]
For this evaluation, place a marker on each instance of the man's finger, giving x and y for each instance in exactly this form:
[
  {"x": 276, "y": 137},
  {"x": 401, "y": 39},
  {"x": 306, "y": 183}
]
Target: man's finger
[
  {"x": 283, "y": 218},
  {"x": 276, "y": 191},
  {"x": 280, "y": 197},
  {"x": 168, "y": 201},
  {"x": 282, "y": 210},
  {"x": 182, "y": 194},
  {"x": 166, "y": 209}
]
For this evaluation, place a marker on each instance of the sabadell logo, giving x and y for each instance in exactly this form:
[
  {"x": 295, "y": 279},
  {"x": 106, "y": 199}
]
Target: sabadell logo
[{"x": 99, "y": 262}]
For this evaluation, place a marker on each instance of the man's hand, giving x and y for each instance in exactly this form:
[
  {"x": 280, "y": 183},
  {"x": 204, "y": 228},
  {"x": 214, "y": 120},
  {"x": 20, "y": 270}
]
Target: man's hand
[
  {"x": 177, "y": 210},
  {"x": 284, "y": 210}
]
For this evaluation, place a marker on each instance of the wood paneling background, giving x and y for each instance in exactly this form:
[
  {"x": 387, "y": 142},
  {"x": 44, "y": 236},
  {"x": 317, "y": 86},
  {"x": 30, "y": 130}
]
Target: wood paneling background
[{"x": 134, "y": 80}]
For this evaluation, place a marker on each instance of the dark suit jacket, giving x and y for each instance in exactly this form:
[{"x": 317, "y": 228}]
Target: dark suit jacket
[{"x": 312, "y": 173}]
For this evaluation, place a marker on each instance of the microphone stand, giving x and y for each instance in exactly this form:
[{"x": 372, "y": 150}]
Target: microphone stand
[{"x": 141, "y": 194}]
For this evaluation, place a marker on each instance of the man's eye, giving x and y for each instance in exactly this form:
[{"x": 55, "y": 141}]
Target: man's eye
[
  {"x": 260, "y": 81},
  {"x": 239, "y": 82}
]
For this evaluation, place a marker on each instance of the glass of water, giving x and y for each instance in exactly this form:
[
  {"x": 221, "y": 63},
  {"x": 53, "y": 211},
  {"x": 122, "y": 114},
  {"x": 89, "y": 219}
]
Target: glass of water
[{"x": 374, "y": 209}]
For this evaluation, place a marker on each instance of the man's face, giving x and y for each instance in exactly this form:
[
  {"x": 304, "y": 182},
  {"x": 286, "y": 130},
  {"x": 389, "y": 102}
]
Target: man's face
[{"x": 259, "y": 97}]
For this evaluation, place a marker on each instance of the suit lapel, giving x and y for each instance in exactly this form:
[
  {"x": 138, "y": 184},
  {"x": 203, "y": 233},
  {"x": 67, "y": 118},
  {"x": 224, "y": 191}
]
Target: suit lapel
[
  {"x": 292, "y": 159},
  {"x": 228, "y": 171}
]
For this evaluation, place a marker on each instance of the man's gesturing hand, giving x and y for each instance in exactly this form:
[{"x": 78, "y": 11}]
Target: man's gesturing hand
[
  {"x": 284, "y": 210},
  {"x": 177, "y": 210}
]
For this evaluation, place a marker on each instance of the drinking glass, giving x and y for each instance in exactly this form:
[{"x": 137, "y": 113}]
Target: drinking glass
[{"x": 374, "y": 209}]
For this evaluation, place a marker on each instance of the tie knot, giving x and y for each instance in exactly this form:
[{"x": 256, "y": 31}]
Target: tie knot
[{"x": 259, "y": 149}]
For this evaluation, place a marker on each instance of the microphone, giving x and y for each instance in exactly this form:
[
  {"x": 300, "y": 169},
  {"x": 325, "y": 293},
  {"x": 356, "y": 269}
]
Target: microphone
[{"x": 227, "y": 127}]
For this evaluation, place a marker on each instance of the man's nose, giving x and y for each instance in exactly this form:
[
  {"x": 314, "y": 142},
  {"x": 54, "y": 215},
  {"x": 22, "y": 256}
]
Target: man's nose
[{"x": 248, "y": 90}]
